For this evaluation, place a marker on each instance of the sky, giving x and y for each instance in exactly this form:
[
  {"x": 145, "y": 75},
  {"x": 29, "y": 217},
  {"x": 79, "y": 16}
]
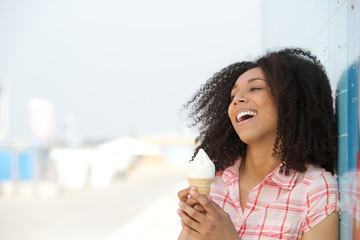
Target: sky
[{"x": 119, "y": 67}]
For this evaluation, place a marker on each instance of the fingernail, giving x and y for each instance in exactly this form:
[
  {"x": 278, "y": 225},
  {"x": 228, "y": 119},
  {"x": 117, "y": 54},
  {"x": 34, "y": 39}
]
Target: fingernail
[
  {"x": 209, "y": 197},
  {"x": 181, "y": 204},
  {"x": 192, "y": 190}
]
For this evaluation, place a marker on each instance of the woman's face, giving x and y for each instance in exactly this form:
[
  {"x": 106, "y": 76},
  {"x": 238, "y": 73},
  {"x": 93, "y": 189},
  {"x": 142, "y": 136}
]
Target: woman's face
[{"x": 252, "y": 111}]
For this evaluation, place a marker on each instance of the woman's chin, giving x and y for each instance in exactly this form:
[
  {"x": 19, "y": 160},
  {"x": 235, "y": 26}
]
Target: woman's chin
[{"x": 246, "y": 139}]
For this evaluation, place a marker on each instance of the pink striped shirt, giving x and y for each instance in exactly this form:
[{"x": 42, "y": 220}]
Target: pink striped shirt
[{"x": 280, "y": 207}]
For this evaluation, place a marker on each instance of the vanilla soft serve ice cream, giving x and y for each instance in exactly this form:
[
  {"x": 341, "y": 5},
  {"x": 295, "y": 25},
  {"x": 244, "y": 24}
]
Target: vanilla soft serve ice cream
[
  {"x": 200, "y": 172},
  {"x": 201, "y": 166}
]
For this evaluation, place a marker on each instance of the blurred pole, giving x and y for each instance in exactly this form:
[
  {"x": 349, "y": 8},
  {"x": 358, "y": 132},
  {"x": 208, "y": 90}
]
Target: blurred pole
[
  {"x": 70, "y": 131},
  {"x": 4, "y": 109},
  {"x": 41, "y": 116}
]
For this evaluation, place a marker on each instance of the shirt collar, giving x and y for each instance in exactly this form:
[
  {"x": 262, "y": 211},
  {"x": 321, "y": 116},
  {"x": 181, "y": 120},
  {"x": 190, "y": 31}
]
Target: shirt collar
[
  {"x": 231, "y": 174},
  {"x": 282, "y": 180}
]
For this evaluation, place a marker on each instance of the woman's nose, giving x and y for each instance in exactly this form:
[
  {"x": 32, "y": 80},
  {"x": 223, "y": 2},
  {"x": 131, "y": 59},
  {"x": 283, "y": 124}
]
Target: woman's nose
[{"x": 239, "y": 98}]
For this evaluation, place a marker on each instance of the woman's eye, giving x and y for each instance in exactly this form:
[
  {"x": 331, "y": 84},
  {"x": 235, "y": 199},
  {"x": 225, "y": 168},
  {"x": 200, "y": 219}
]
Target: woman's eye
[{"x": 254, "y": 89}]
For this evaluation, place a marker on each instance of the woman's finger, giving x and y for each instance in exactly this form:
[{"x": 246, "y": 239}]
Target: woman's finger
[
  {"x": 184, "y": 194},
  {"x": 191, "y": 212},
  {"x": 190, "y": 232},
  {"x": 199, "y": 208},
  {"x": 188, "y": 220},
  {"x": 204, "y": 202},
  {"x": 192, "y": 202}
]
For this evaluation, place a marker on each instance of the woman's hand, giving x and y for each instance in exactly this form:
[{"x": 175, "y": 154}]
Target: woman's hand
[
  {"x": 184, "y": 196},
  {"x": 215, "y": 223}
]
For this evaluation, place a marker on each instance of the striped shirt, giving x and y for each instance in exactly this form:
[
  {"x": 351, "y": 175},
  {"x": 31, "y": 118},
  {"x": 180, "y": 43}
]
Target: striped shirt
[{"x": 279, "y": 207}]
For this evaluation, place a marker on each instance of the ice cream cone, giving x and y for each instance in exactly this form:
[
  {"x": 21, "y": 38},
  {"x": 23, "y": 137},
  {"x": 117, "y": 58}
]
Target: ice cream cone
[
  {"x": 202, "y": 184},
  {"x": 201, "y": 172}
]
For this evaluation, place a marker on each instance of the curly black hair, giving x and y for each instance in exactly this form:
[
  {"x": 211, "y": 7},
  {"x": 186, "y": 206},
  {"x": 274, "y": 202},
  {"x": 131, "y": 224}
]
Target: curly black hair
[{"x": 306, "y": 128}]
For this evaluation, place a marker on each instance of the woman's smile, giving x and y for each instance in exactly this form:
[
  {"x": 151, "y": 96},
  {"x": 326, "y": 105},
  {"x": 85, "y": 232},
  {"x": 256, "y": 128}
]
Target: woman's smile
[
  {"x": 252, "y": 111},
  {"x": 245, "y": 115}
]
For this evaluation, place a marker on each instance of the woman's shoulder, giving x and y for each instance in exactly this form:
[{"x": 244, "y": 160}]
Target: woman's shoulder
[
  {"x": 317, "y": 178},
  {"x": 316, "y": 172},
  {"x": 322, "y": 197}
]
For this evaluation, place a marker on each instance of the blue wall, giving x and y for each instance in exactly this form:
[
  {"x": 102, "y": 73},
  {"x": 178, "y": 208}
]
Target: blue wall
[
  {"x": 331, "y": 30},
  {"x": 348, "y": 122},
  {"x": 17, "y": 165}
]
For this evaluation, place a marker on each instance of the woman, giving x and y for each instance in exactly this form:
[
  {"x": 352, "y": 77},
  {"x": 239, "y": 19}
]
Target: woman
[{"x": 269, "y": 127}]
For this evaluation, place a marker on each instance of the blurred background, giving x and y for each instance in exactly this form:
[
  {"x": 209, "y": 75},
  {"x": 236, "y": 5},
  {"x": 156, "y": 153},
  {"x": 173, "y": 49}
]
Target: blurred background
[{"x": 93, "y": 142}]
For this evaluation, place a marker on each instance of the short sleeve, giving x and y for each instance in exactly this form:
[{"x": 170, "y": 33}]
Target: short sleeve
[{"x": 322, "y": 200}]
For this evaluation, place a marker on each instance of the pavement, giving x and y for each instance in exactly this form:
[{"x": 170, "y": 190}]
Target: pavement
[
  {"x": 159, "y": 221},
  {"x": 141, "y": 206}
]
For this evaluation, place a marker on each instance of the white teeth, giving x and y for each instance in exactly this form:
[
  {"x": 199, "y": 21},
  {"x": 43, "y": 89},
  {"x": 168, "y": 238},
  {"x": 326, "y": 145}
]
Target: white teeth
[{"x": 240, "y": 115}]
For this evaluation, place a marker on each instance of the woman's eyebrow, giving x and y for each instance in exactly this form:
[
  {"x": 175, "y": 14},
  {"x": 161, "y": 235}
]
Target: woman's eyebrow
[
  {"x": 249, "y": 81},
  {"x": 254, "y": 79}
]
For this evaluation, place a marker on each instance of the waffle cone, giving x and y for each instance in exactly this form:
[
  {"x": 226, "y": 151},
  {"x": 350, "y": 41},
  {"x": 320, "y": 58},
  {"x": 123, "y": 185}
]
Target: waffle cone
[{"x": 202, "y": 184}]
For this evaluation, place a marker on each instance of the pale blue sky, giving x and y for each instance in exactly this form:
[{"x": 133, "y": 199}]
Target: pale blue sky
[{"x": 119, "y": 67}]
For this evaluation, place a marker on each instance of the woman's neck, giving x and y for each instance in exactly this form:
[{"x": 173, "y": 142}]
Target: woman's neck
[{"x": 259, "y": 162}]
